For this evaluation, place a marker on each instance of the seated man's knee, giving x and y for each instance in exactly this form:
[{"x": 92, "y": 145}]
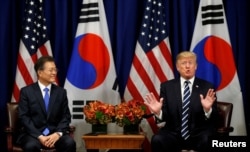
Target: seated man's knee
[
  {"x": 31, "y": 147},
  {"x": 70, "y": 142},
  {"x": 66, "y": 143},
  {"x": 156, "y": 138}
]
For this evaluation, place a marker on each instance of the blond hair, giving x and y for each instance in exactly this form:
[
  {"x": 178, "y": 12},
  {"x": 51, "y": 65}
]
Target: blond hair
[{"x": 186, "y": 54}]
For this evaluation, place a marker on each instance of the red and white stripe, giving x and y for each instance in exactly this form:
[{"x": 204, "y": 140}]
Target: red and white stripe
[
  {"x": 25, "y": 72},
  {"x": 148, "y": 71}
]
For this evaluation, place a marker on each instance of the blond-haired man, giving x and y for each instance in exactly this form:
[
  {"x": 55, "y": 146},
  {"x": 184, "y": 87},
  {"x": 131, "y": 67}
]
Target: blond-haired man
[{"x": 188, "y": 106}]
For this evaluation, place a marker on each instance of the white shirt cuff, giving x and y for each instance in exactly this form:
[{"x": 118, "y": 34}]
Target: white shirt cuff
[{"x": 207, "y": 114}]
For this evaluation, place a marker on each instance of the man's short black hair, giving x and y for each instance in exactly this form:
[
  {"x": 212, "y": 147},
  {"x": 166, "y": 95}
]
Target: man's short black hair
[{"x": 39, "y": 65}]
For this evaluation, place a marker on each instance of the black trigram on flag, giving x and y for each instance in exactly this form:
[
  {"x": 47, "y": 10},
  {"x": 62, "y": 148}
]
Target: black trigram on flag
[
  {"x": 89, "y": 13},
  {"x": 77, "y": 108},
  {"x": 212, "y": 14}
]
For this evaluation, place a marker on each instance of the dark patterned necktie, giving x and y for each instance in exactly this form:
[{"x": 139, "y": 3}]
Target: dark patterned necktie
[{"x": 185, "y": 111}]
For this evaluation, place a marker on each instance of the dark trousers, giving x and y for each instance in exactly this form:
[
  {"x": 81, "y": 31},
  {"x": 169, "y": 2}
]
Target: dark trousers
[
  {"x": 31, "y": 144},
  {"x": 169, "y": 141}
]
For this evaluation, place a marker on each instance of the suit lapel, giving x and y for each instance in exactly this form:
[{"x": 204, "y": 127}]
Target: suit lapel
[
  {"x": 195, "y": 89},
  {"x": 39, "y": 97},
  {"x": 195, "y": 95},
  {"x": 52, "y": 99},
  {"x": 178, "y": 95}
]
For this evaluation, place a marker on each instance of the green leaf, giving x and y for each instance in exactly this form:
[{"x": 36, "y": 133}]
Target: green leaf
[{"x": 98, "y": 115}]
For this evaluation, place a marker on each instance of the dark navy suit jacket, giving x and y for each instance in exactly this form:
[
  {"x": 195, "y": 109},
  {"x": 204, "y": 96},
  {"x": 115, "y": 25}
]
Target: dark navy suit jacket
[
  {"x": 172, "y": 107},
  {"x": 33, "y": 115}
]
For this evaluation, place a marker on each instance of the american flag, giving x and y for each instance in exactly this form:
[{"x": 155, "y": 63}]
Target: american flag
[
  {"x": 152, "y": 63},
  {"x": 33, "y": 44}
]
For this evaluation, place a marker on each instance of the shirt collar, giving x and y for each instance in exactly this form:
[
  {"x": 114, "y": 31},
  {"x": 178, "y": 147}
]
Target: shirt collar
[
  {"x": 43, "y": 86},
  {"x": 190, "y": 80}
]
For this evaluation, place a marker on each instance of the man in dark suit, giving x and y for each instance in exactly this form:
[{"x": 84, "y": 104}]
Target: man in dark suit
[
  {"x": 200, "y": 111},
  {"x": 45, "y": 126}
]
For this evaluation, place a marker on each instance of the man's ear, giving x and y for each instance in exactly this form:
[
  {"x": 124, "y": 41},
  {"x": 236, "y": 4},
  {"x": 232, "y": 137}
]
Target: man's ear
[
  {"x": 177, "y": 67},
  {"x": 39, "y": 72}
]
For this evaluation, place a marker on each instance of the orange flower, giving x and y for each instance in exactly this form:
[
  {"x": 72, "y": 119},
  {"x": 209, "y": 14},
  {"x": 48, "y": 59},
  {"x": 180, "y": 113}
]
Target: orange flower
[
  {"x": 97, "y": 112},
  {"x": 130, "y": 112}
]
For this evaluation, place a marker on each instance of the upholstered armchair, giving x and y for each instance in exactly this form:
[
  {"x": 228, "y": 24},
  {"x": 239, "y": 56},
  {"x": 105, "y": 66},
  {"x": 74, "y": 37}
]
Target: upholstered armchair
[{"x": 13, "y": 129}]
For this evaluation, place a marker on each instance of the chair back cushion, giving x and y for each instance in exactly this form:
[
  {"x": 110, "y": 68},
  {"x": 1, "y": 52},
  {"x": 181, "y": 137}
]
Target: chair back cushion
[
  {"x": 13, "y": 119},
  {"x": 12, "y": 109},
  {"x": 225, "y": 110}
]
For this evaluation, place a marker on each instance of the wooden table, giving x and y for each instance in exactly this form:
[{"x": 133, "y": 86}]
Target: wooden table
[{"x": 114, "y": 141}]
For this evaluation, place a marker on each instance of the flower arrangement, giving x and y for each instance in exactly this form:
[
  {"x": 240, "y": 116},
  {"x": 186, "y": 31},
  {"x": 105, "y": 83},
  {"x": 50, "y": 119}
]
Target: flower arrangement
[
  {"x": 128, "y": 113},
  {"x": 98, "y": 112}
]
